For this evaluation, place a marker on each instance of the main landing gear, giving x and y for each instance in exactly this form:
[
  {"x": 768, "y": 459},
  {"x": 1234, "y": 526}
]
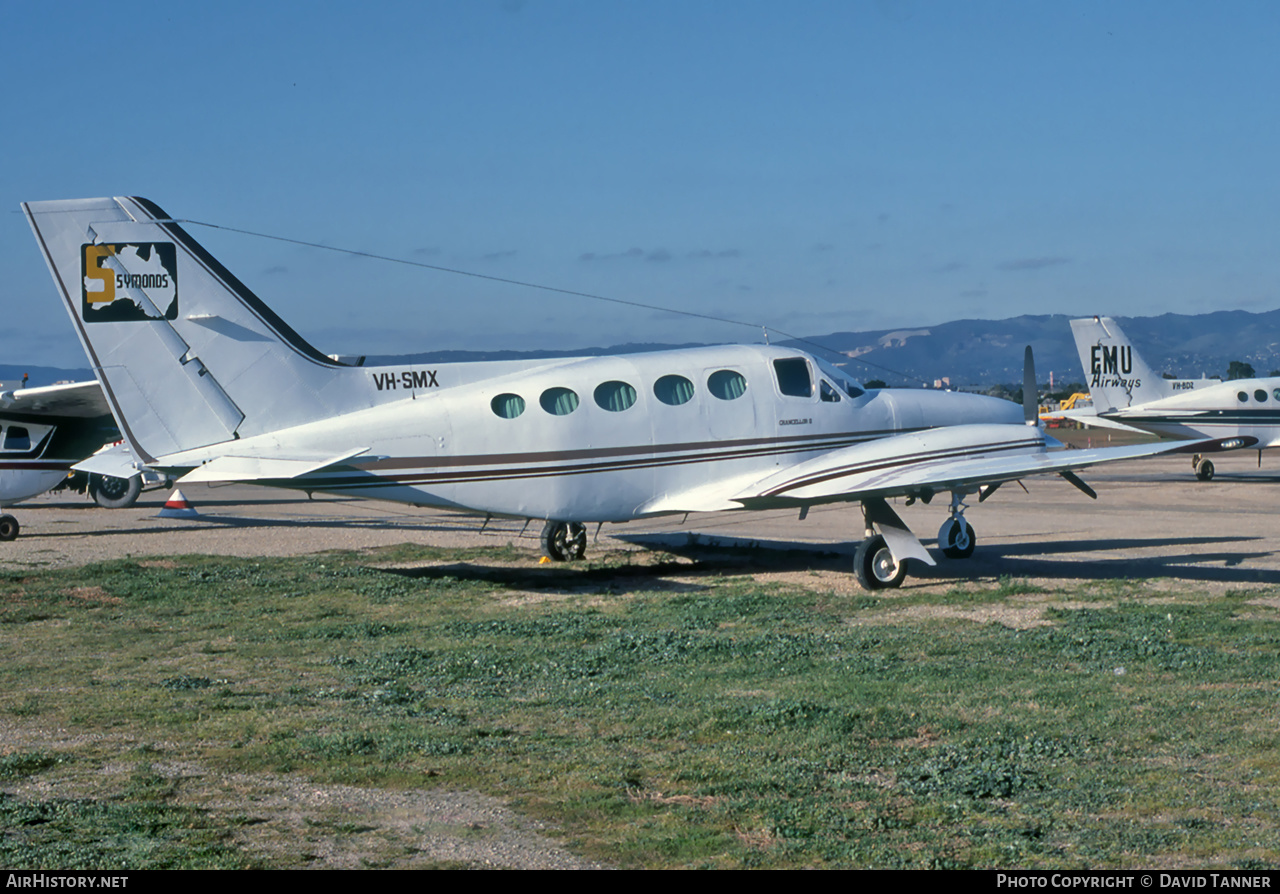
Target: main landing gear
[
  {"x": 875, "y": 566},
  {"x": 9, "y": 527},
  {"x": 874, "y": 563},
  {"x": 564, "y": 541},
  {"x": 1203, "y": 467}
]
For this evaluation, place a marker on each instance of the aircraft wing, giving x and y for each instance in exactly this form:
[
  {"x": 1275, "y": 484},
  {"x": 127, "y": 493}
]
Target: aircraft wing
[
  {"x": 962, "y": 457},
  {"x": 76, "y": 399}
]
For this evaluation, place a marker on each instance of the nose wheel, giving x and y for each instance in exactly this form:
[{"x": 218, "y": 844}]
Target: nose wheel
[{"x": 956, "y": 538}]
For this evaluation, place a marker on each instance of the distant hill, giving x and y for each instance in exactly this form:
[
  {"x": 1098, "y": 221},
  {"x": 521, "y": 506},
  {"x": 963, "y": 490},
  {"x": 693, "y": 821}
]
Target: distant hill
[
  {"x": 986, "y": 352},
  {"x": 968, "y": 352}
]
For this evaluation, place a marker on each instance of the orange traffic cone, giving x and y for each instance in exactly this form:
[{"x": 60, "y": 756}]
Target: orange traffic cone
[{"x": 178, "y": 507}]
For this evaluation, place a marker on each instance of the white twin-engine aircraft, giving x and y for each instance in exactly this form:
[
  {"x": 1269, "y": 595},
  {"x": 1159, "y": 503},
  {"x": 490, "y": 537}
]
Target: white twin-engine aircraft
[
  {"x": 1127, "y": 395},
  {"x": 207, "y": 382}
]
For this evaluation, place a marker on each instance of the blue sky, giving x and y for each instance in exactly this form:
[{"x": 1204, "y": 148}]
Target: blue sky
[{"x": 811, "y": 166}]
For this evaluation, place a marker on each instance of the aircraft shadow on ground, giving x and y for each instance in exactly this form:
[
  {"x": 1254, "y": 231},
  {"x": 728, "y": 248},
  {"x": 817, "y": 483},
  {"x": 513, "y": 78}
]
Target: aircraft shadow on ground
[{"x": 1186, "y": 558}]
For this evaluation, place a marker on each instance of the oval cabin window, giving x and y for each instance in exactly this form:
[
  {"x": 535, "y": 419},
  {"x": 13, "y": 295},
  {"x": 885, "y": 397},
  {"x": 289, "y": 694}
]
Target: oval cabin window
[
  {"x": 673, "y": 390},
  {"x": 507, "y": 406},
  {"x": 615, "y": 396},
  {"x": 727, "y": 384},
  {"x": 559, "y": 401}
]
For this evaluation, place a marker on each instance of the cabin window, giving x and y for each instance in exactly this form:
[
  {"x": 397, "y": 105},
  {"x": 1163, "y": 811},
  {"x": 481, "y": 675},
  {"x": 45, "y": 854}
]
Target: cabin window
[
  {"x": 673, "y": 390},
  {"x": 793, "y": 376},
  {"x": 17, "y": 438},
  {"x": 828, "y": 393},
  {"x": 1276, "y": 394},
  {"x": 507, "y": 406},
  {"x": 727, "y": 384},
  {"x": 1242, "y": 397},
  {"x": 559, "y": 401},
  {"x": 615, "y": 396},
  {"x": 1260, "y": 396}
]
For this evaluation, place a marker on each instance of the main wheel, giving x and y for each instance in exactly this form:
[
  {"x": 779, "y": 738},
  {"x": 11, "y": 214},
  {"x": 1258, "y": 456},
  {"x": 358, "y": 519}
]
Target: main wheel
[
  {"x": 956, "y": 539},
  {"x": 875, "y": 565},
  {"x": 110, "y": 492},
  {"x": 1204, "y": 471},
  {"x": 9, "y": 528},
  {"x": 564, "y": 541}
]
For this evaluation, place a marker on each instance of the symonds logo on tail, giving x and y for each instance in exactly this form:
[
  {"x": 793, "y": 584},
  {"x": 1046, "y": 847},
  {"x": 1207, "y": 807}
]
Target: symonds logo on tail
[{"x": 130, "y": 281}]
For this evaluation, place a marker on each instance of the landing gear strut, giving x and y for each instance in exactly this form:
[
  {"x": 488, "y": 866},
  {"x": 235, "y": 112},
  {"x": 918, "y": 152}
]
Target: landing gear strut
[
  {"x": 564, "y": 541},
  {"x": 956, "y": 538}
]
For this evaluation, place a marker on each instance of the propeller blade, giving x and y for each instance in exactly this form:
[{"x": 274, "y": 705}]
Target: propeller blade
[{"x": 1030, "y": 394}]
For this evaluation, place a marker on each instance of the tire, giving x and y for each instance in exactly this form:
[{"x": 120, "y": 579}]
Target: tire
[
  {"x": 955, "y": 541},
  {"x": 875, "y": 567},
  {"x": 9, "y": 528},
  {"x": 110, "y": 492},
  {"x": 1204, "y": 471},
  {"x": 564, "y": 541}
]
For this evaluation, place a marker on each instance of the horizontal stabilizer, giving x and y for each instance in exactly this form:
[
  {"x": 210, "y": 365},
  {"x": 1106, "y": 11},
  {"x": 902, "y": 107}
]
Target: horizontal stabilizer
[
  {"x": 1093, "y": 420},
  {"x": 263, "y": 468},
  {"x": 79, "y": 400},
  {"x": 116, "y": 461}
]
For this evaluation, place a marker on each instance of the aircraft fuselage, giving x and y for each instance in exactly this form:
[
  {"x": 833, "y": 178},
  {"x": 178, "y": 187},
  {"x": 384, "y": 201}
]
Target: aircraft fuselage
[{"x": 600, "y": 438}]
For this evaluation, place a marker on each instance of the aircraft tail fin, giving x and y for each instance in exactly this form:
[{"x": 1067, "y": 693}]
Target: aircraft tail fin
[
  {"x": 187, "y": 355},
  {"x": 1115, "y": 373}
]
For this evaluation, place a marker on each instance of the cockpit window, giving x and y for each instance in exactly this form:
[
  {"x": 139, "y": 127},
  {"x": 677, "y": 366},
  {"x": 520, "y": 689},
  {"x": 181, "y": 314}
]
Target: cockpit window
[
  {"x": 794, "y": 378},
  {"x": 828, "y": 393},
  {"x": 843, "y": 381}
]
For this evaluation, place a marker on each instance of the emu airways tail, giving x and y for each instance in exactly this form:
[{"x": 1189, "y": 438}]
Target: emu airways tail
[
  {"x": 1116, "y": 375},
  {"x": 186, "y": 354}
]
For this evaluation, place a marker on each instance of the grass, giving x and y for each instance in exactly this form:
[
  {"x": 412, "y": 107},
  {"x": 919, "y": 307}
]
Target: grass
[{"x": 658, "y": 715}]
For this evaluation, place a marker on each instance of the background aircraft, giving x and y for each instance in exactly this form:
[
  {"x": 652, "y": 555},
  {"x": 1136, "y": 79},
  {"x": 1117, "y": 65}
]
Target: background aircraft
[
  {"x": 207, "y": 382},
  {"x": 44, "y": 432},
  {"x": 1128, "y": 395}
]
